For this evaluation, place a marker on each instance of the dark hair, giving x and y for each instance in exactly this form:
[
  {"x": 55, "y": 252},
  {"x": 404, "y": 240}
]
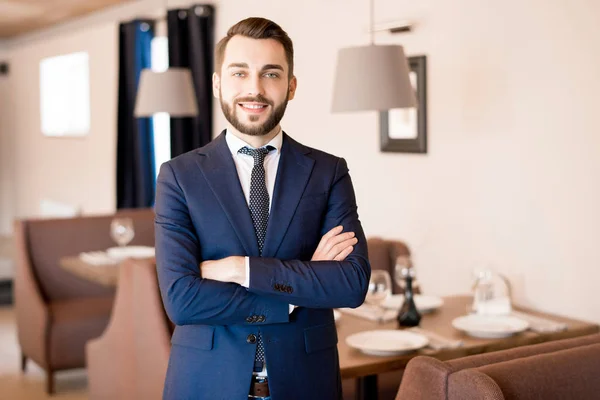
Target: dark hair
[{"x": 256, "y": 28}]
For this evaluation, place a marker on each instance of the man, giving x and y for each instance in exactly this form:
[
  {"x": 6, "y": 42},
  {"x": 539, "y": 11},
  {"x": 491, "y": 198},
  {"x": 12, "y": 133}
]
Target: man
[{"x": 274, "y": 227}]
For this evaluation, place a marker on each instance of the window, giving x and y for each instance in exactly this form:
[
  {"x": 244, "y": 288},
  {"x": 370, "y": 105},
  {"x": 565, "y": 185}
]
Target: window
[
  {"x": 65, "y": 95},
  {"x": 161, "y": 121}
]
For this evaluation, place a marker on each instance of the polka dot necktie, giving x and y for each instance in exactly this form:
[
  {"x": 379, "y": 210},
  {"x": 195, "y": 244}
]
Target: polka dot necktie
[{"x": 259, "y": 210}]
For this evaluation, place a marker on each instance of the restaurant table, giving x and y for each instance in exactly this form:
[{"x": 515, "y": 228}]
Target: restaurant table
[{"x": 364, "y": 368}]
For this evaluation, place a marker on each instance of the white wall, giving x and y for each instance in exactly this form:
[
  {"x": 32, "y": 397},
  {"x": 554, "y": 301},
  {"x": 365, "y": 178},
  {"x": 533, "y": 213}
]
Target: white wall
[
  {"x": 511, "y": 177},
  {"x": 6, "y": 161}
]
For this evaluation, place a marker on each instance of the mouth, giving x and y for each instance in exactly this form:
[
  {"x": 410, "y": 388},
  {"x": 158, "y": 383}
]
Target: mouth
[{"x": 253, "y": 108}]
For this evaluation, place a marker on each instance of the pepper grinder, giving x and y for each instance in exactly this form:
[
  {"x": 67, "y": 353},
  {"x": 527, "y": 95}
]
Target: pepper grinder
[{"x": 408, "y": 315}]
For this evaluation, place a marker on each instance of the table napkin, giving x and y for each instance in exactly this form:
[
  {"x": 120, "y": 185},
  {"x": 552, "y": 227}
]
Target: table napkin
[
  {"x": 436, "y": 341},
  {"x": 371, "y": 312},
  {"x": 97, "y": 258},
  {"x": 540, "y": 324}
]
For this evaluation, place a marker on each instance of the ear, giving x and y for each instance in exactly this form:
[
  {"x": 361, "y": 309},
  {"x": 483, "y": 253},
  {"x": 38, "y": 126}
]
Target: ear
[
  {"x": 292, "y": 87},
  {"x": 216, "y": 85}
]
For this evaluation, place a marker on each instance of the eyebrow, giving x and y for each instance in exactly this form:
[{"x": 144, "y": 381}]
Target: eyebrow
[
  {"x": 272, "y": 66},
  {"x": 264, "y": 68},
  {"x": 237, "y": 65}
]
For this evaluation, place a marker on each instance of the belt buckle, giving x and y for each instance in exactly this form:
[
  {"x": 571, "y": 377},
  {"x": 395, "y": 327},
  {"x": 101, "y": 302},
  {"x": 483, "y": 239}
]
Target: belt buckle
[{"x": 261, "y": 380}]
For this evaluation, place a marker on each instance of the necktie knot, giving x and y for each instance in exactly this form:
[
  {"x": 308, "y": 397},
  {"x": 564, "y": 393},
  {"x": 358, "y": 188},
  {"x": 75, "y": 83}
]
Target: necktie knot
[{"x": 258, "y": 154}]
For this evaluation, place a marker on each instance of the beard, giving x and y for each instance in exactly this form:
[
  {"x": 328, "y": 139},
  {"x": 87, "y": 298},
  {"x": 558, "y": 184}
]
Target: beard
[{"x": 260, "y": 130}]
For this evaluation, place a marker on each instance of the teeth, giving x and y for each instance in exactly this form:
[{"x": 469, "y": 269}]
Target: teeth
[{"x": 253, "y": 106}]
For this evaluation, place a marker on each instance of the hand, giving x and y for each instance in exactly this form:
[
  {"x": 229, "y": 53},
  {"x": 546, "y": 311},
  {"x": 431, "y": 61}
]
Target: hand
[
  {"x": 229, "y": 269},
  {"x": 335, "y": 245}
]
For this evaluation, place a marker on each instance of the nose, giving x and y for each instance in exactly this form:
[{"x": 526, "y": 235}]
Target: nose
[{"x": 254, "y": 86}]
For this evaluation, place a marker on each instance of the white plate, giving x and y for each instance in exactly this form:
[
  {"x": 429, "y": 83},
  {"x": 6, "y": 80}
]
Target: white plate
[
  {"x": 490, "y": 327},
  {"x": 121, "y": 253},
  {"x": 336, "y": 315},
  {"x": 424, "y": 303},
  {"x": 386, "y": 342}
]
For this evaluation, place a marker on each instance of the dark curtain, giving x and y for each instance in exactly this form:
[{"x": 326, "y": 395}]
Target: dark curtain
[
  {"x": 135, "y": 136},
  {"x": 191, "y": 43}
]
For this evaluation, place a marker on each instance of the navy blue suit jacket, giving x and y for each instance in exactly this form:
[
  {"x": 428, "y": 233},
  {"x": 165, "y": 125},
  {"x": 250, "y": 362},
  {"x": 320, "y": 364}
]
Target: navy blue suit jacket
[{"x": 202, "y": 214}]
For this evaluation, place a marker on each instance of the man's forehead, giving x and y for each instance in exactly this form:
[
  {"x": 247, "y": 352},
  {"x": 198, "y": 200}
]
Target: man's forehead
[{"x": 254, "y": 52}]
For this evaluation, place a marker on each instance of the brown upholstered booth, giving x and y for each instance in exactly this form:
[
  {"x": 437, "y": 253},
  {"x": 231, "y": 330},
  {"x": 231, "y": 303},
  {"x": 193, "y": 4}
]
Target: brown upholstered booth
[
  {"x": 559, "y": 370},
  {"x": 57, "y": 312},
  {"x": 382, "y": 255},
  {"x": 129, "y": 360}
]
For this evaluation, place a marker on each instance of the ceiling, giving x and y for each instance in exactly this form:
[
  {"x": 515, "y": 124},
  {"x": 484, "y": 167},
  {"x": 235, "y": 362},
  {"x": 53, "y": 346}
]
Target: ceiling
[{"x": 21, "y": 16}]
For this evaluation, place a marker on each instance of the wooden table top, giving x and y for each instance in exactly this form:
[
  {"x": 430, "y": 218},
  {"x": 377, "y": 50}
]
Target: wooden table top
[
  {"x": 106, "y": 275},
  {"x": 355, "y": 364}
]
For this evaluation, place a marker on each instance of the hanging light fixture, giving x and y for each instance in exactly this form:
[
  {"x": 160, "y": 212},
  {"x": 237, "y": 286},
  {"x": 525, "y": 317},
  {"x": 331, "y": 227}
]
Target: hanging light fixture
[
  {"x": 372, "y": 77},
  {"x": 170, "y": 91}
]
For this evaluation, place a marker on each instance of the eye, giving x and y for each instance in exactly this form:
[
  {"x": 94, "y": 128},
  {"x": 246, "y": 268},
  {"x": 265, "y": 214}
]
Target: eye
[
  {"x": 238, "y": 74},
  {"x": 272, "y": 75}
]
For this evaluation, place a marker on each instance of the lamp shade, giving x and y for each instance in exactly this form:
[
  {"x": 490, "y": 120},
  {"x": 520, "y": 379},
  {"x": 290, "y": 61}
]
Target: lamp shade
[
  {"x": 171, "y": 91},
  {"x": 372, "y": 78}
]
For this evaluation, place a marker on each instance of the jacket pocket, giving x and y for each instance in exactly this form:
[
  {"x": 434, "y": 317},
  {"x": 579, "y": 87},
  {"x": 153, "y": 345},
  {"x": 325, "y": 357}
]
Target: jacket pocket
[
  {"x": 196, "y": 336},
  {"x": 320, "y": 337}
]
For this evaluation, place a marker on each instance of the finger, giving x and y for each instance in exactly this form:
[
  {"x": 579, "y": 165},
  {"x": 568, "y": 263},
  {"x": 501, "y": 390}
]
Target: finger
[
  {"x": 341, "y": 238},
  {"x": 345, "y": 253},
  {"x": 332, "y": 232},
  {"x": 338, "y": 248},
  {"x": 331, "y": 243}
]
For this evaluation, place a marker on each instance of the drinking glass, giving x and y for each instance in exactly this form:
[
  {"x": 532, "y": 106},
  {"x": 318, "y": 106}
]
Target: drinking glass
[
  {"x": 380, "y": 288},
  {"x": 403, "y": 263},
  {"x": 121, "y": 231}
]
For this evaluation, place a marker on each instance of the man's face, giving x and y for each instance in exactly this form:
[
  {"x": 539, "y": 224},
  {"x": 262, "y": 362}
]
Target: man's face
[{"x": 253, "y": 85}]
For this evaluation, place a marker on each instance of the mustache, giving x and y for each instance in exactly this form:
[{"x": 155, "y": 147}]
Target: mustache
[{"x": 256, "y": 99}]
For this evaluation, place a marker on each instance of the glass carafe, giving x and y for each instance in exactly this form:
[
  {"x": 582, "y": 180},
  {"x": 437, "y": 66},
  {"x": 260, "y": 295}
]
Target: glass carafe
[{"x": 491, "y": 293}]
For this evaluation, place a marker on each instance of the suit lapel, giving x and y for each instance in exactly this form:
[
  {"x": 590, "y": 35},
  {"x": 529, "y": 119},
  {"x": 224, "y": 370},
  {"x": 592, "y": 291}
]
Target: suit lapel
[
  {"x": 293, "y": 173},
  {"x": 218, "y": 167}
]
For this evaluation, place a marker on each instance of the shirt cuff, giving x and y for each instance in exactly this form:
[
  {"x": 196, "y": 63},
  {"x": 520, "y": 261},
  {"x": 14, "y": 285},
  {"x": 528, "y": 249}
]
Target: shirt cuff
[
  {"x": 246, "y": 283},
  {"x": 292, "y": 308}
]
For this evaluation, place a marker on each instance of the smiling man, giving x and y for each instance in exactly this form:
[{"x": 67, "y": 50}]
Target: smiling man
[{"x": 257, "y": 239}]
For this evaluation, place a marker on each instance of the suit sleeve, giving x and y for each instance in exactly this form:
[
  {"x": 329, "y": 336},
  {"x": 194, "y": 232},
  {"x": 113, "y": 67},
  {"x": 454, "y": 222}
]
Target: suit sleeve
[
  {"x": 187, "y": 297},
  {"x": 321, "y": 284}
]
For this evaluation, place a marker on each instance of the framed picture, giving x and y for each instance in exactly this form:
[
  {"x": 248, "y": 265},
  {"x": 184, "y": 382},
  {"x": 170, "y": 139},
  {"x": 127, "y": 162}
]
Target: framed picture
[{"x": 404, "y": 130}]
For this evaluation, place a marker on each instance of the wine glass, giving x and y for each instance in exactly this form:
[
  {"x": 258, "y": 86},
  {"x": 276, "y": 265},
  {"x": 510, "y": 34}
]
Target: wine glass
[
  {"x": 380, "y": 288},
  {"x": 121, "y": 231},
  {"x": 402, "y": 263}
]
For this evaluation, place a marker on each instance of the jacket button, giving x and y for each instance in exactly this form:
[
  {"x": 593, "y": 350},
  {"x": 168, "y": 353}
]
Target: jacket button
[
  {"x": 261, "y": 318},
  {"x": 251, "y": 338},
  {"x": 249, "y": 320},
  {"x": 289, "y": 289},
  {"x": 276, "y": 286}
]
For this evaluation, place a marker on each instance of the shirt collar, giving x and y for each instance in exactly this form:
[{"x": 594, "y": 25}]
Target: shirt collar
[{"x": 235, "y": 143}]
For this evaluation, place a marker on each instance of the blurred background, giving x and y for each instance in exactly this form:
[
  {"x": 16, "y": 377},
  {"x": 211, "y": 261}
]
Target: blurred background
[{"x": 509, "y": 180}]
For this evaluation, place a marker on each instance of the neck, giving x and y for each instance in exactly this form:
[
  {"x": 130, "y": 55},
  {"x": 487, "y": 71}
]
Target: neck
[{"x": 255, "y": 141}]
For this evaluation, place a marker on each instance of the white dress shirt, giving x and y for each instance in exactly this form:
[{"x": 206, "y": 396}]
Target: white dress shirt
[{"x": 244, "y": 163}]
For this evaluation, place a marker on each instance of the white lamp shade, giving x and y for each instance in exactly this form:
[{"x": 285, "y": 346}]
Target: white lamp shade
[
  {"x": 171, "y": 91},
  {"x": 372, "y": 78}
]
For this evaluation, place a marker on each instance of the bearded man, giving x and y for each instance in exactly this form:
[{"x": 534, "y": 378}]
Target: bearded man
[{"x": 257, "y": 240}]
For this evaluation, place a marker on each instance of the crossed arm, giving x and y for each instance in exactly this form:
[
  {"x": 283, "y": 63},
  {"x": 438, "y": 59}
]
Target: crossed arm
[
  {"x": 335, "y": 245},
  {"x": 336, "y": 276}
]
